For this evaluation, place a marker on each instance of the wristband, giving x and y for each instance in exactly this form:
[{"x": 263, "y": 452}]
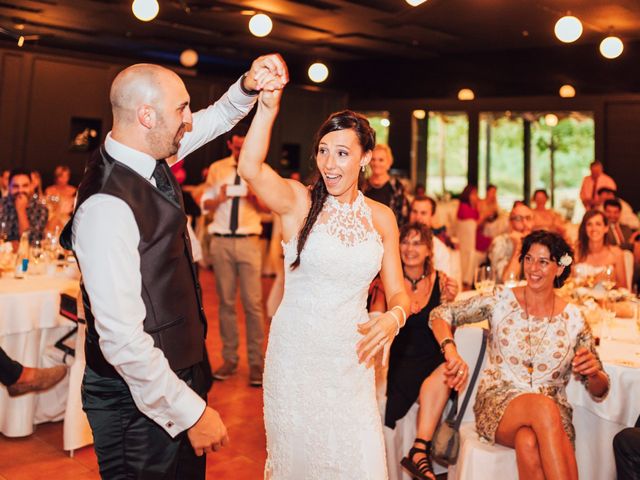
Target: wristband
[
  {"x": 404, "y": 314},
  {"x": 445, "y": 342}
]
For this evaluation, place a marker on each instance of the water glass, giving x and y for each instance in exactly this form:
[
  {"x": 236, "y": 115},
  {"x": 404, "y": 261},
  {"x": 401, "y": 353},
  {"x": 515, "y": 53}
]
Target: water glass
[
  {"x": 608, "y": 277},
  {"x": 484, "y": 279}
]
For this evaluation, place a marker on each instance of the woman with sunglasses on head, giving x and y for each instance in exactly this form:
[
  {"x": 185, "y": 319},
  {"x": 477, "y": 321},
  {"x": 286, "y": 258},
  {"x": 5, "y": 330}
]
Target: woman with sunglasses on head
[
  {"x": 418, "y": 370},
  {"x": 537, "y": 342},
  {"x": 321, "y": 414}
]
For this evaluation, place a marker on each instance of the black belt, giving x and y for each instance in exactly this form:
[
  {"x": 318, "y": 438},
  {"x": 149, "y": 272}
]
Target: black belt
[{"x": 235, "y": 235}]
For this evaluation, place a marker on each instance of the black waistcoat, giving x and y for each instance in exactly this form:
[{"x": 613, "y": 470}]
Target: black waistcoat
[{"x": 170, "y": 289}]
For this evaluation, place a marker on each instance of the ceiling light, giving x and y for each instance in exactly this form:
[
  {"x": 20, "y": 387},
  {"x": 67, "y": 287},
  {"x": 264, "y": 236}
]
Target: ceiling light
[
  {"x": 551, "y": 119},
  {"x": 466, "y": 94},
  {"x": 611, "y": 47},
  {"x": 567, "y": 91},
  {"x": 568, "y": 29},
  {"x": 189, "y": 58},
  {"x": 419, "y": 114},
  {"x": 415, "y": 3},
  {"x": 145, "y": 10},
  {"x": 318, "y": 72},
  {"x": 20, "y": 41},
  {"x": 260, "y": 25},
  {"x": 385, "y": 122}
]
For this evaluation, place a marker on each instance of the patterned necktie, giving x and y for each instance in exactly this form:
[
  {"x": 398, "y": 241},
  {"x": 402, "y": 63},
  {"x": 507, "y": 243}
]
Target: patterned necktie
[
  {"x": 235, "y": 206},
  {"x": 162, "y": 181}
]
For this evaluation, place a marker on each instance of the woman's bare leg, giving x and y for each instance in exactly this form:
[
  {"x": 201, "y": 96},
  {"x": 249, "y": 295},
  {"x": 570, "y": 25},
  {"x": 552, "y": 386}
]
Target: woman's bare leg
[
  {"x": 528, "y": 455},
  {"x": 542, "y": 415}
]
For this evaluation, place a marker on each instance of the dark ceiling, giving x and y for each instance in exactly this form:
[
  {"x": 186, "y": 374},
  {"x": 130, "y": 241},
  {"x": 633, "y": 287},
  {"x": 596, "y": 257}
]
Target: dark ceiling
[{"x": 441, "y": 41}]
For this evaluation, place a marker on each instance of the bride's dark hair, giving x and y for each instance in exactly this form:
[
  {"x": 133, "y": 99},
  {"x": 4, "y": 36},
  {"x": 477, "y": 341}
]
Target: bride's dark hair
[{"x": 343, "y": 120}]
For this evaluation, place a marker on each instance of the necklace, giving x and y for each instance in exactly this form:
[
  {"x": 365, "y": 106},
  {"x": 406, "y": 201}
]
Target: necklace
[
  {"x": 414, "y": 282},
  {"x": 532, "y": 355}
]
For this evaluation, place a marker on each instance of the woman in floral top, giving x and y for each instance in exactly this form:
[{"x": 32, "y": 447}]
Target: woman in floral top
[{"x": 537, "y": 342}]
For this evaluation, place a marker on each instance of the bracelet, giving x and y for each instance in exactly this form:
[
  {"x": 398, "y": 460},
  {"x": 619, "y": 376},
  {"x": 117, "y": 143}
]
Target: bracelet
[
  {"x": 393, "y": 314},
  {"x": 445, "y": 342},
  {"x": 251, "y": 93},
  {"x": 404, "y": 314}
]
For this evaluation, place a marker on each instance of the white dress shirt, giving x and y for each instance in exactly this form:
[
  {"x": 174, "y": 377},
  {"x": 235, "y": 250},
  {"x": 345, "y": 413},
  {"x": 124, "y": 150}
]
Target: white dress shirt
[
  {"x": 220, "y": 173},
  {"x": 105, "y": 239}
]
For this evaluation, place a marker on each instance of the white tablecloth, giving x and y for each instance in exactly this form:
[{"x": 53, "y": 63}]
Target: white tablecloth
[{"x": 29, "y": 323}]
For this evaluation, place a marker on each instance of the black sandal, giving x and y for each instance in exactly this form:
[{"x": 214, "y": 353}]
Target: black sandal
[{"x": 423, "y": 466}]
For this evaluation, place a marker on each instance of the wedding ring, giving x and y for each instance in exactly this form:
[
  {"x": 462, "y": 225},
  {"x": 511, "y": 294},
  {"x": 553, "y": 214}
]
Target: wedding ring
[{"x": 460, "y": 372}]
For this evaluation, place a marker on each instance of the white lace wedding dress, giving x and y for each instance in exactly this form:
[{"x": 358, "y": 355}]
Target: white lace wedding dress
[{"x": 320, "y": 410}]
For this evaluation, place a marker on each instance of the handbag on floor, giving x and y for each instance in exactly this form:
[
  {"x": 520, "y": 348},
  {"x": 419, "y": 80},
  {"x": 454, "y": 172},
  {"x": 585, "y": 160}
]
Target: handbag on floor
[{"x": 446, "y": 439}]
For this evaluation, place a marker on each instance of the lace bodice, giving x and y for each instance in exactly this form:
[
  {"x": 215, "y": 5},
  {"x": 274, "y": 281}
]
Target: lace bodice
[{"x": 321, "y": 414}]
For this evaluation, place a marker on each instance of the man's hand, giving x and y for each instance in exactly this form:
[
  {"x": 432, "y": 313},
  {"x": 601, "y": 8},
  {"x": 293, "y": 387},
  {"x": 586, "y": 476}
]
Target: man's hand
[
  {"x": 268, "y": 72},
  {"x": 209, "y": 433}
]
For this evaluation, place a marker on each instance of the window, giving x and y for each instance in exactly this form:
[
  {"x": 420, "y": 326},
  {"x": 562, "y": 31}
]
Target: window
[
  {"x": 379, "y": 121},
  {"x": 447, "y": 152}
]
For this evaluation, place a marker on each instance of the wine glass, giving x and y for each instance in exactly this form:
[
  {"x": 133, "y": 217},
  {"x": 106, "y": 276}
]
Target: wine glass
[
  {"x": 484, "y": 279},
  {"x": 608, "y": 277}
]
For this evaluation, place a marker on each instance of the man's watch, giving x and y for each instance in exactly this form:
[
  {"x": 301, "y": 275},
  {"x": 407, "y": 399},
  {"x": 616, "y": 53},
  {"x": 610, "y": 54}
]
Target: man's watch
[
  {"x": 446, "y": 342},
  {"x": 244, "y": 89}
]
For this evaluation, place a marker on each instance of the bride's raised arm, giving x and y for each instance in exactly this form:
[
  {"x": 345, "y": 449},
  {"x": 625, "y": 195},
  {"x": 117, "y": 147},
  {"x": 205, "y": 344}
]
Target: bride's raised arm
[{"x": 279, "y": 195}]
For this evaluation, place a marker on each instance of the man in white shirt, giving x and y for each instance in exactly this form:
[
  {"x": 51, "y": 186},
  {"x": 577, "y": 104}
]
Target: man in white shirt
[
  {"x": 627, "y": 215},
  {"x": 594, "y": 182},
  {"x": 422, "y": 211},
  {"x": 147, "y": 373},
  {"x": 504, "y": 251},
  {"x": 235, "y": 254}
]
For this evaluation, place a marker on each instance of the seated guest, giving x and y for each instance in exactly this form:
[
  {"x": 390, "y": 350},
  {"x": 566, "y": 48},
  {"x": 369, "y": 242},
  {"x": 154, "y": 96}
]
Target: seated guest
[
  {"x": 489, "y": 208},
  {"x": 20, "y": 211},
  {"x": 20, "y": 380},
  {"x": 594, "y": 182},
  {"x": 545, "y": 218},
  {"x": 618, "y": 234},
  {"x": 384, "y": 188},
  {"x": 422, "y": 211},
  {"x": 417, "y": 369},
  {"x": 626, "y": 450},
  {"x": 537, "y": 342},
  {"x": 65, "y": 193},
  {"x": 504, "y": 252},
  {"x": 4, "y": 183},
  {"x": 595, "y": 253},
  {"x": 627, "y": 216},
  {"x": 36, "y": 185},
  {"x": 468, "y": 209}
]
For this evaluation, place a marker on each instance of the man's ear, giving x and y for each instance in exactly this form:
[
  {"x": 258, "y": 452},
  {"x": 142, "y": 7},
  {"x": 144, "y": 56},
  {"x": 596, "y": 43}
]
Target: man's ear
[{"x": 146, "y": 116}]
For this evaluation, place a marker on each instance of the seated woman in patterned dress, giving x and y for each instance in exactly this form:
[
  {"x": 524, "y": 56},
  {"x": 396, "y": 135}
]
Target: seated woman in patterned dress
[
  {"x": 537, "y": 342},
  {"x": 418, "y": 371}
]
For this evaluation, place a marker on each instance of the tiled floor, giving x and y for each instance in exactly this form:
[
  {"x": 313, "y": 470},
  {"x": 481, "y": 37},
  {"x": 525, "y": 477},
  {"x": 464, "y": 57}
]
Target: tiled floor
[{"x": 40, "y": 456}]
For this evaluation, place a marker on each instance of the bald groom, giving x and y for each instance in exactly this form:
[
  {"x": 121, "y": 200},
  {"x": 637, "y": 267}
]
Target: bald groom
[{"x": 147, "y": 374}]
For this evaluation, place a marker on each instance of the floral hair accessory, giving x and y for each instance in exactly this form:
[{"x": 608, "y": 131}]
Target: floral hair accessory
[{"x": 565, "y": 260}]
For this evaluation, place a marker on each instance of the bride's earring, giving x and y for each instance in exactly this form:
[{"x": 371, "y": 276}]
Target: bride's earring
[{"x": 363, "y": 167}]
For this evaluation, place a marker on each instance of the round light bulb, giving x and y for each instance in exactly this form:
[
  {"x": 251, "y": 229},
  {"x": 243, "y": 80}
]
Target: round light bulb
[
  {"x": 415, "y": 3},
  {"x": 419, "y": 114},
  {"x": 318, "y": 72},
  {"x": 260, "y": 25},
  {"x": 145, "y": 10},
  {"x": 551, "y": 120},
  {"x": 385, "y": 122},
  {"x": 567, "y": 91},
  {"x": 466, "y": 94},
  {"x": 611, "y": 47},
  {"x": 568, "y": 29},
  {"x": 189, "y": 58}
]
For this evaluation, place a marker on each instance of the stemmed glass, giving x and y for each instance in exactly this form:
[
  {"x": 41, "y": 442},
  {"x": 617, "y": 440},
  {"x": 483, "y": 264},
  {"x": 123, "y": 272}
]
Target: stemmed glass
[
  {"x": 608, "y": 277},
  {"x": 484, "y": 279}
]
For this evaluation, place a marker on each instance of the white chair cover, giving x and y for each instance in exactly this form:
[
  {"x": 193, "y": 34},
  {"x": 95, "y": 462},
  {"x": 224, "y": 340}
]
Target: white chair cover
[
  {"x": 466, "y": 233},
  {"x": 628, "y": 267}
]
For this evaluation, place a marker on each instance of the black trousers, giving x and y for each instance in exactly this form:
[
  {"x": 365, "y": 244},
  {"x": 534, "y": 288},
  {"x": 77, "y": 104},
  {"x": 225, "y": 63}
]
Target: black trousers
[
  {"x": 626, "y": 449},
  {"x": 10, "y": 370},
  {"x": 128, "y": 444}
]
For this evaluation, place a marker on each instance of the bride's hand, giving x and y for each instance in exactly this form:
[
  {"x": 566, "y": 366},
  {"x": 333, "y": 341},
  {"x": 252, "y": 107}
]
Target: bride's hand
[
  {"x": 270, "y": 98},
  {"x": 378, "y": 335}
]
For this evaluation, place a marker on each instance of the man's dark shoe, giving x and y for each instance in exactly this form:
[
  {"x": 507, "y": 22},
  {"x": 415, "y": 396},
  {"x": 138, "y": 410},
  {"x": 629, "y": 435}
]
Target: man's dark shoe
[
  {"x": 225, "y": 371},
  {"x": 255, "y": 376}
]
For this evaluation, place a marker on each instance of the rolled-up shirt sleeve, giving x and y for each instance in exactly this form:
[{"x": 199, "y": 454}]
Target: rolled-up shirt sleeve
[
  {"x": 216, "y": 119},
  {"x": 105, "y": 240}
]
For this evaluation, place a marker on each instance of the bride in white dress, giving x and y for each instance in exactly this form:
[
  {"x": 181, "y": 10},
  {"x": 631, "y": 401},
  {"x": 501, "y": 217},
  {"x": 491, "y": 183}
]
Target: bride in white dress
[{"x": 321, "y": 416}]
